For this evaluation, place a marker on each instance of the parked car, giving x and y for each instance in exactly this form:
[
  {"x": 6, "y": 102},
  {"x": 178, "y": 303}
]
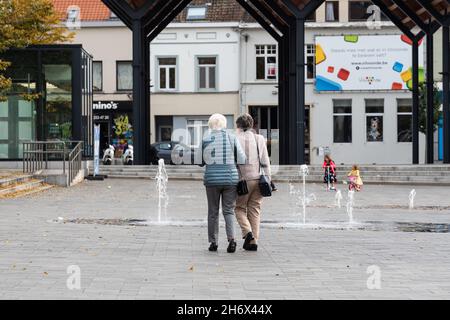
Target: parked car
[{"x": 172, "y": 152}]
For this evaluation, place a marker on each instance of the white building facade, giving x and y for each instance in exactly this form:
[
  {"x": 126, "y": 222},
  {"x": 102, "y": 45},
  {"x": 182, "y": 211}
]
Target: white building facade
[{"x": 199, "y": 68}]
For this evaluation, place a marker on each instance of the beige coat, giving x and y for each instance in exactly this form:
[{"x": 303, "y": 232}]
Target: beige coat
[{"x": 248, "y": 140}]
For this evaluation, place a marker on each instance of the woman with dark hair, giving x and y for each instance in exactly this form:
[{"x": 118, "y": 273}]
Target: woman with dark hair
[{"x": 248, "y": 207}]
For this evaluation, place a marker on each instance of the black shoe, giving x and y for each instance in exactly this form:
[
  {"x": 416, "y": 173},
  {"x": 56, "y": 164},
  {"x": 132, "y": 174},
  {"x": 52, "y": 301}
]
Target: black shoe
[
  {"x": 231, "y": 246},
  {"x": 248, "y": 238},
  {"x": 213, "y": 247},
  {"x": 252, "y": 247}
]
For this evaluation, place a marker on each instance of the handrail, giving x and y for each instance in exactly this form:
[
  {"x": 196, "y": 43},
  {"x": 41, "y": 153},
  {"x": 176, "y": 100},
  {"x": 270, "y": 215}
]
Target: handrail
[{"x": 36, "y": 155}]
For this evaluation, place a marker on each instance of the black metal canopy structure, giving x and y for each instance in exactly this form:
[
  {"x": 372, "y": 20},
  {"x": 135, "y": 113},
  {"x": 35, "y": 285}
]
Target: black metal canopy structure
[{"x": 285, "y": 20}]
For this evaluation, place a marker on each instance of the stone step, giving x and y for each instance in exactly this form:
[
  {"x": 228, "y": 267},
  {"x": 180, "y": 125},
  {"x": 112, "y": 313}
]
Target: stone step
[
  {"x": 28, "y": 192},
  {"x": 14, "y": 179},
  {"x": 21, "y": 187}
]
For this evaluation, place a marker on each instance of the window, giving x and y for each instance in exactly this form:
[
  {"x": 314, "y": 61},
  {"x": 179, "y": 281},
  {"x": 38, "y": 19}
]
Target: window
[
  {"x": 197, "y": 130},
  {"x": 331, "y": 11},
  {"x": 124, "y": 75},
  {"x": 207, "y": 73},
  {"x": 310, "y": 61},
  {"x": 404, "y": 120},
  {"x": 97, "y": 70},
  {"x": 342, "y": 121},
  {"x": 362, "y": 10},
  {"x": 167, "y": 73},
  {"x": 196, "y": 13},
  {"x": 374, "y": 119},
  {"x": 266, "y": 62}
]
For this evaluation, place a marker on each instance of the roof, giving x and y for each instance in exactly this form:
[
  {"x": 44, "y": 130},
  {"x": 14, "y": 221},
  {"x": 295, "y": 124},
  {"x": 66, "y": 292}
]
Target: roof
[
  {"x": 218, "y": 10},
  {"x": 90, "y": 10}
]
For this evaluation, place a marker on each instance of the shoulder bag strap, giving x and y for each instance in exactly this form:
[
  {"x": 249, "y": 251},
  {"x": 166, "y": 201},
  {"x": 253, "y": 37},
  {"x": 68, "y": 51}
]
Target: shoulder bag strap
[{"x": 259, "y": 157}]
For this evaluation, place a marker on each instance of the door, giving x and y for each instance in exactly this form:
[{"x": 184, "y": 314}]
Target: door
[{"x": 105, "y": 136}]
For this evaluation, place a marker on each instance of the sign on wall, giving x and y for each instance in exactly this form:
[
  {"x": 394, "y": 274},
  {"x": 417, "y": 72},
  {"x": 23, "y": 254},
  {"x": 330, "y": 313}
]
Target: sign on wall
[{"x": 365, "y": 62}]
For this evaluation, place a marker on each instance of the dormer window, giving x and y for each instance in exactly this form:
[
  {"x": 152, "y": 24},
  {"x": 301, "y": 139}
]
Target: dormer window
[
  {"x": 73, "y": 14},
  {"x": 196, "y": 13}
]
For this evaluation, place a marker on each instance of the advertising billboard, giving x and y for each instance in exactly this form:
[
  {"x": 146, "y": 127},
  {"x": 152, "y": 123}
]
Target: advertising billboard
[{"x": 365, "y": 62}]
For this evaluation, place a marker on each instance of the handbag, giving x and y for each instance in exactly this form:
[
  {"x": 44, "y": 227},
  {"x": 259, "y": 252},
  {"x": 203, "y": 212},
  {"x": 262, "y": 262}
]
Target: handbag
[
  {"x": 241, "y": 188},
  {"x": 264, "y": 181}
]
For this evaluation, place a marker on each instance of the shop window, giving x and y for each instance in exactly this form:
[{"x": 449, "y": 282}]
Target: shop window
[
  {"x": 167, "y": 73},
  {"x": 342, "y": 121},
  {"x": 374, "y": 120},
  {"x": 207, "y": 73},
  {"x": 266, "y": 62},
  {"x": 310, "y": 61},
  {"x": 362, "y": 10},
  {"x": 404, "y": 120},
  {"x": 97, "y": 70},
  {"x": 124, "y": 76},
  {"x": 331, "y": 11}
]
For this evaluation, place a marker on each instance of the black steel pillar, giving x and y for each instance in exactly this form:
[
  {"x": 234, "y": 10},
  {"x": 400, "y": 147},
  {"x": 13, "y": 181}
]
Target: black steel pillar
[
  {"x": 446, "y": 90},
  {"x": 430, "y": 99},
  {"x": 77, "y": 76},
  {"x": 292, "y": 97},
  {"x": 416, "y": 102},
  {"x": 141, "y": 101},
  {"x": 284, "y": 133},
  {"x": 299, "y": 137}
]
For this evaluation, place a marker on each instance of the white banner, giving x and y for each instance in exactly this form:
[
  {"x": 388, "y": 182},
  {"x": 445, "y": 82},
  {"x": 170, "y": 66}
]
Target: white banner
[{"x": 367, "y": 62}]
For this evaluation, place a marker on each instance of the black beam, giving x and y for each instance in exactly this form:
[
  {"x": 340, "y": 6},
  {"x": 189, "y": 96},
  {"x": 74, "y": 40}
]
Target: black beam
[
  {"x": 287, "y": 20},
  {"x": 405, "y": 29},
  {"x": 162, "y": 9},
  {"x": 282, "y": 98},
  {"x": 299, "y": 136},
  {"x": 262, "y": 21},
  {"x": 311, "y": 7},
  {"x": 141, "y": 103},
  {"x": 412, "y": 15},
  {"x": 168, "y": 19},
  {"x": 77, "y": 90},
  {"x": 430, "y": 99},
  {"x": 416, "y": 102},
  {"x": 426, "y": 4},
  {"x": 121, "y": 10},
  {"x": 269, "y": 15},
  {"x": 446, "y": 90},
  {"x": 292, "y": 8}
]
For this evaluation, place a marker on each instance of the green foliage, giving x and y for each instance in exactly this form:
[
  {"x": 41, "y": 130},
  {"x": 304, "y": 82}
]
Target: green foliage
[
  {"x": 423, "y": 107},
  {"x": 24, "y": 23}
]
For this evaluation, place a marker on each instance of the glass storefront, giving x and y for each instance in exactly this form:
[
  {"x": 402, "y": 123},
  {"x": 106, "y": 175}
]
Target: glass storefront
[
  {"x": 49, "y": 98},
  {"x": 116, "y": 124}
]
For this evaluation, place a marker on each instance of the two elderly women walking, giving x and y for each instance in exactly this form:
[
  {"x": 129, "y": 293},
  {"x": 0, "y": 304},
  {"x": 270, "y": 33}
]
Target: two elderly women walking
[{"x": 231, "y": 159}]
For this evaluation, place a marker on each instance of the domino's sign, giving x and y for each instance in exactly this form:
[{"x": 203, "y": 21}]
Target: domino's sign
[{"x": 365, "y": 62}]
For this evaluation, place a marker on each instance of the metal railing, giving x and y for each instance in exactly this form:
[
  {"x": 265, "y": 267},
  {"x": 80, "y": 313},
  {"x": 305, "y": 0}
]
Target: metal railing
[{"x": 38, "y": 154}]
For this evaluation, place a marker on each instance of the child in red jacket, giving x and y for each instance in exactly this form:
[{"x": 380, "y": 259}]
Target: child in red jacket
[{"x": 330, "y": 173}]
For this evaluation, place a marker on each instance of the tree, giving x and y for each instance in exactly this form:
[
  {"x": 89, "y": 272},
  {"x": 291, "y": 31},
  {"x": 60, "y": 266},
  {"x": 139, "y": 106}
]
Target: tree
[
  {"x": 24, "y": 23},
  {"x": 423, "y": 108}
]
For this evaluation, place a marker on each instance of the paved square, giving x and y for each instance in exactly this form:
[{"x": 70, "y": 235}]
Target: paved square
[{"x": 172, "y": 262}]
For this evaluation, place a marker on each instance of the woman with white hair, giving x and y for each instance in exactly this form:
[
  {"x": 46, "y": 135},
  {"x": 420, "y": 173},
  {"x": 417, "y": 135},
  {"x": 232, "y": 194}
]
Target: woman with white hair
[{"x": 221, "y": 154}]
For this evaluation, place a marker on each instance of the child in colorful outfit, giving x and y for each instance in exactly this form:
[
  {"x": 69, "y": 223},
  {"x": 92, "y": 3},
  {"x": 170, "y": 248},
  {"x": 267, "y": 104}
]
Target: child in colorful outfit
[
  {"x": 330, "y": 172},
  {"x": 354, "y": 177}
]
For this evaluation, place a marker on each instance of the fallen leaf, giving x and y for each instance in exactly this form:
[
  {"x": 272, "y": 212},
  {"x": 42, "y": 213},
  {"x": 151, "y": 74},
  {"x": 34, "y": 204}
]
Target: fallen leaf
[{"x": 191, "y": 268}]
